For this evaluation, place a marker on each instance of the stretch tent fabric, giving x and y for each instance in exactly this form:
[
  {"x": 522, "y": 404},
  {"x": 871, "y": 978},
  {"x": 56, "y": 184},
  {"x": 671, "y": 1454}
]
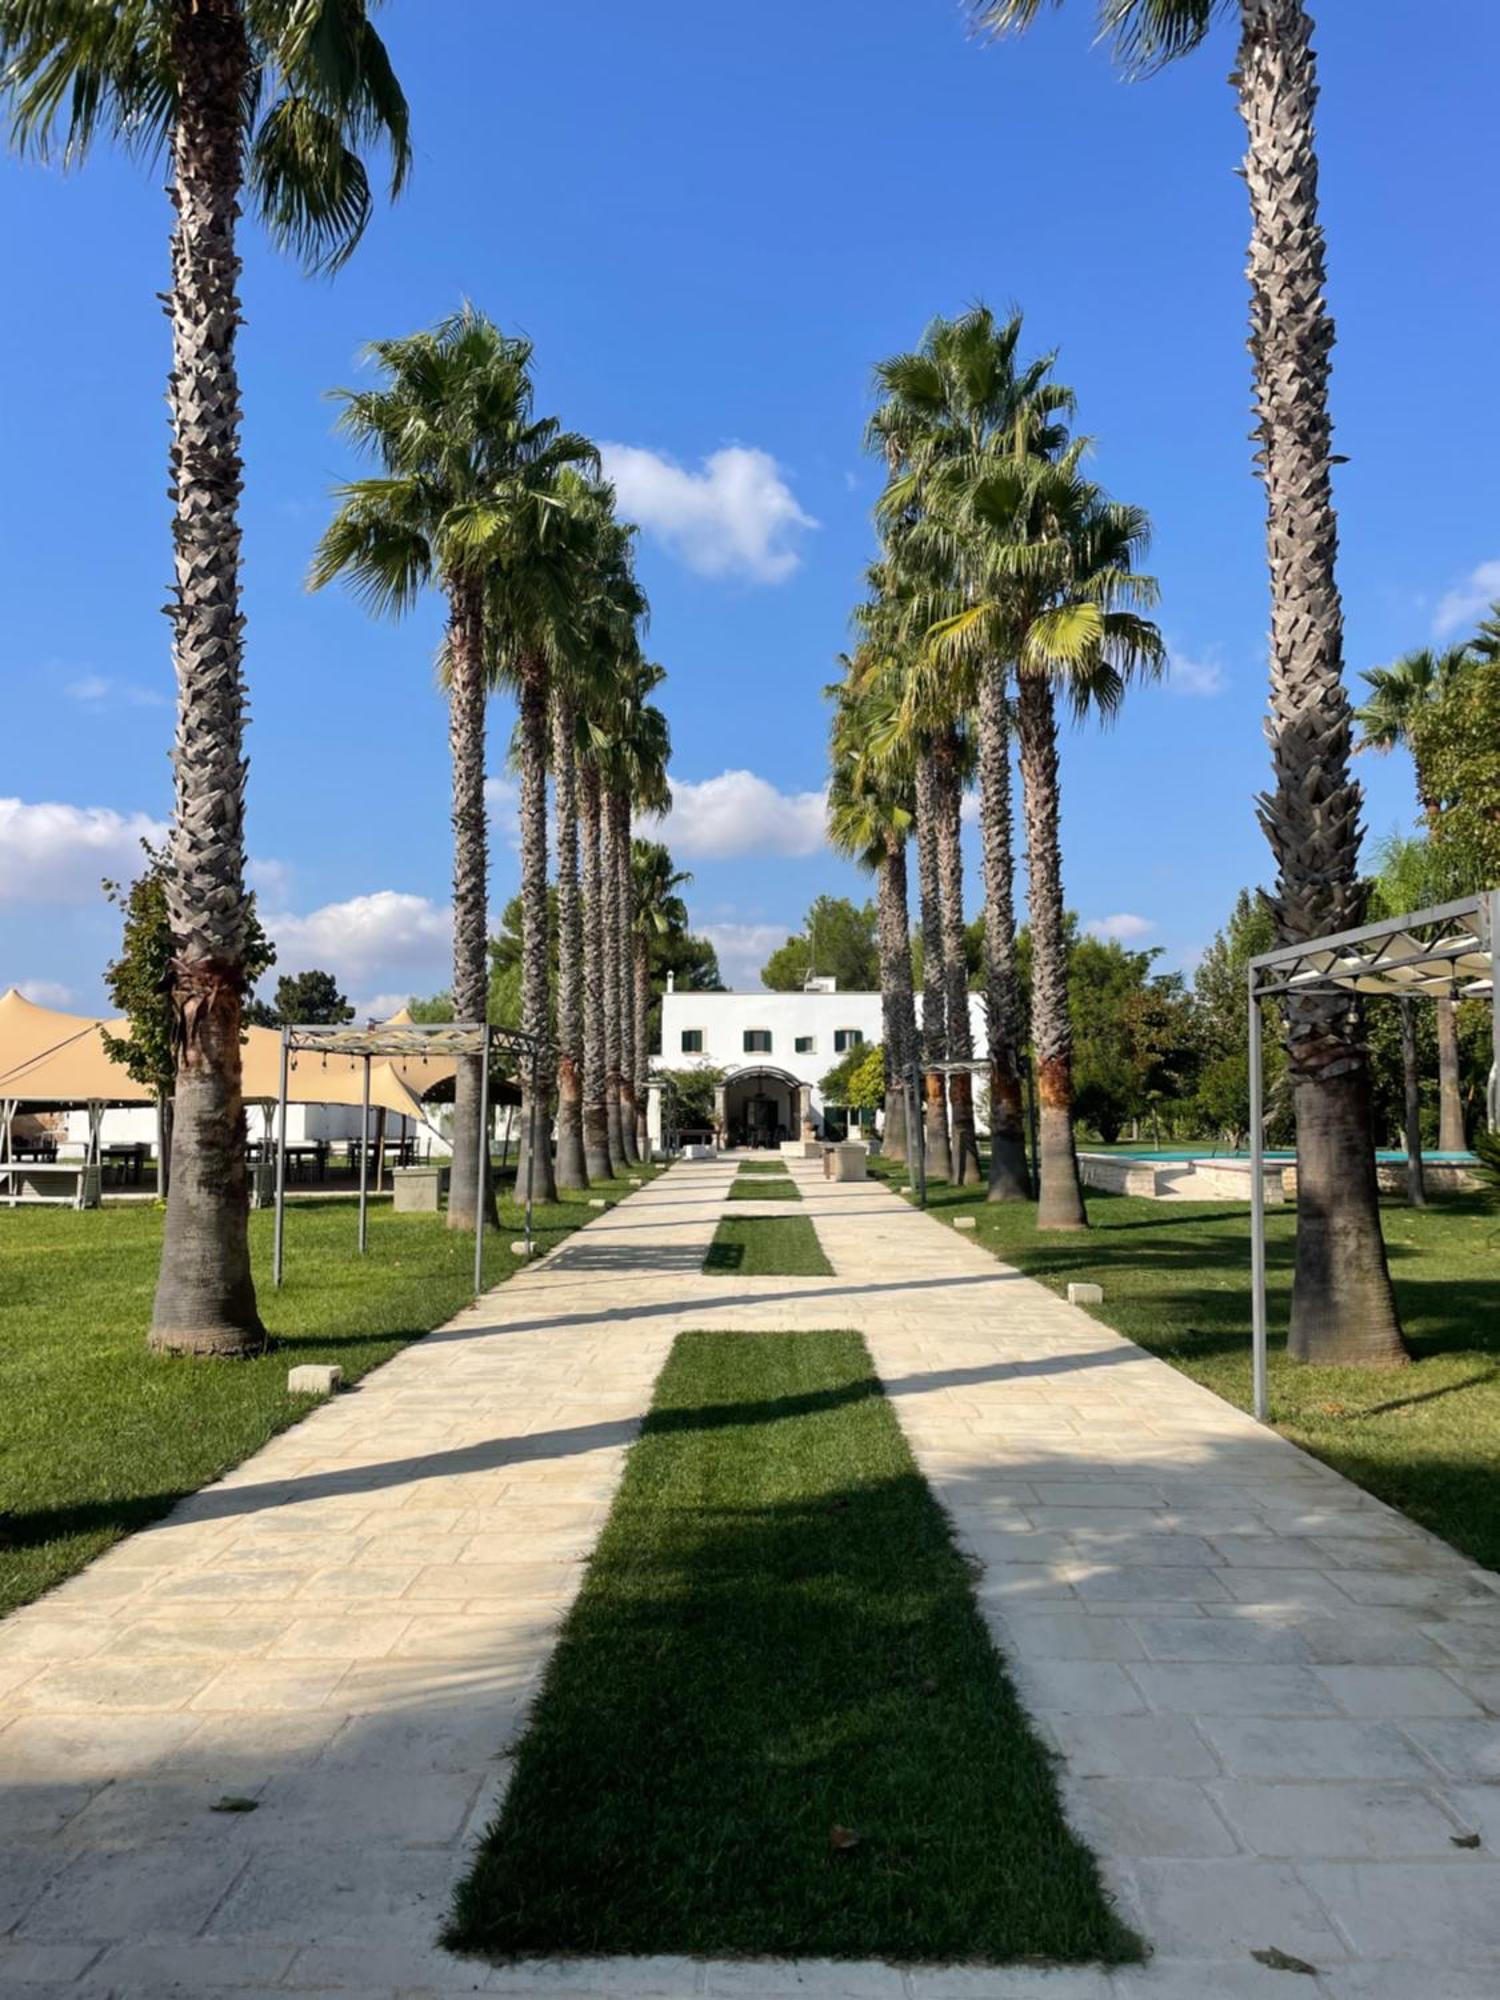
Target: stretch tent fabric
[{"x": 47, "y": 1057}]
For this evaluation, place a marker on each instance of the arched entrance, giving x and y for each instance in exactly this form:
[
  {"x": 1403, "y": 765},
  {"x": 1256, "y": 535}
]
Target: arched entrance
[{"x": 761, "y": 1107}]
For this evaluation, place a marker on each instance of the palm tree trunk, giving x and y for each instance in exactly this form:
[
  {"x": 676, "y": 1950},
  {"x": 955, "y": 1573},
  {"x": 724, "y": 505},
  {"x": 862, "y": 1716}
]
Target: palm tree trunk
[
  {"x": 934, "y": 1005},
  {"x": 466, "y": 705},
  {"x": 534, "y": 1174},
  {"x": 205, "y": 1296},
  {"x": 1343, "y": 1308},
  {"x": 1060, "y": 1197},
  {"x": 1411, "y": 1079},
  {"x": 572, "y": 1170},
  {"x": 1451, "y": 1135},
  {"x": 898, "y": 1011},
  {"x": 1009, "y": 1178},
  {"x": 642, "y": 1045},
  {"x": 965, "y": 1155},
  {"x": 595, "y": 1115},
  {"x": 609, "y": 897},
  {"x": 626, "y": 892}
]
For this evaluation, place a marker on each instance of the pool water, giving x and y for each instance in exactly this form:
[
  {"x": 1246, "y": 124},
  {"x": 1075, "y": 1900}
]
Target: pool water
[{"x": 1174, "y": 1153}]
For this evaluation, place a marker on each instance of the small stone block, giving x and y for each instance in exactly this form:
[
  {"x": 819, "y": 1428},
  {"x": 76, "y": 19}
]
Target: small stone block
[
  {"x": 521, "y": 1248},
  {"x": 907, "y": 1189},
  {"x": 635, "y": 1180},
  {"x": 314, "y": 1378},
  {"x": 963, "y": 1222},
  {"x": 1085, "y": 1295},
  {"x": 597, "y": 1201}
]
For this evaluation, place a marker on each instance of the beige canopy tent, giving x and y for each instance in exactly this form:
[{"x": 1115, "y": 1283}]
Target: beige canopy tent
[{"x": 55, "y": 1059}]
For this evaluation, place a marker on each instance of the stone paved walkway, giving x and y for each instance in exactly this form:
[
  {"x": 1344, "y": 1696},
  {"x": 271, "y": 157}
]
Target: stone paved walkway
[{"x": 1275, "y": 1700}]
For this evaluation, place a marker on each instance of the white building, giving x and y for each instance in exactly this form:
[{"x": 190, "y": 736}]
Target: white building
[{"x": 775, "y": 1049}]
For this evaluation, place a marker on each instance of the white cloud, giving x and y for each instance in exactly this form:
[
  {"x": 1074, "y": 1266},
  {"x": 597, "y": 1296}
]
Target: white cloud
[
  {"x": 740, "y": 813},
  {"x": 381, "y": 1006},
  {"x": 968, "y": 810},
  {"x": 1123, "y": 926},
  {"x": 365, "y": 937},
  {"x": 744, "y": 948},
  {"x": 1468, "y": 602},
  {"x": 271, "y": 880},
  {"x": 737, "y": 517},
  {"x": 99, "y": 691},
  {"x": 45, "y": 992},
  {"x": 1197, "y": 677},
  {"x": 55, "y": 853}
]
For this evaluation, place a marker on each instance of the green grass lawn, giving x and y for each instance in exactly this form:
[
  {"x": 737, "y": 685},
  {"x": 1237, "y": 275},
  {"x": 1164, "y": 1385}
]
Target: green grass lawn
[
  {"x": 98, "y": 1437},
  {"x": 762, "y": 1188},
  {"x": 774, "y": 1722},
  {"x": 763, "y": 1167},
  {"x": 1176, "y": 1278},
  {"x": 767, "y": 1246}
]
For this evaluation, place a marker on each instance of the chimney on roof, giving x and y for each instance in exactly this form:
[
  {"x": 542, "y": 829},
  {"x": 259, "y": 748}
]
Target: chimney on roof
[{"x": 671, "y": 982}]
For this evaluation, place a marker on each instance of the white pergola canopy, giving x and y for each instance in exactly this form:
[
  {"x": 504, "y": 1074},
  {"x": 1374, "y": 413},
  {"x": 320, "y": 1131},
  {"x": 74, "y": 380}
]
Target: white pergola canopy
[{"x": 1446, "y": 952}]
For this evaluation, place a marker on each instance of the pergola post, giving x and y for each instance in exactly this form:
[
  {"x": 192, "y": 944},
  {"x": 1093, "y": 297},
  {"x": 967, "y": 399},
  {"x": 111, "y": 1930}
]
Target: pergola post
[
  {"x": 364, "y": 1164},
  {"x": 1492, "y": 1093},
  {"x": 1259, "y": 1399},
  {"x": 278, "y": 1238},
  {"x": 531, "y": 1085},
  {"x": 482, "y": 1164}
]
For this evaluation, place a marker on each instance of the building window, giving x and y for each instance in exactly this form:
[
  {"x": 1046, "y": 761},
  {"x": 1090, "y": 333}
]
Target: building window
[
  {"x": 757, "y": 1041},
  {"x": 805, "y": 1045},
  {"x": 692, "y": 1041},
  {"x": 847, "y": 1038}
]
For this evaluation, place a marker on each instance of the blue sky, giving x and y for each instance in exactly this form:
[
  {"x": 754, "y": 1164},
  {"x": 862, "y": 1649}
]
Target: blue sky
[{"x": 712, "y": 222}]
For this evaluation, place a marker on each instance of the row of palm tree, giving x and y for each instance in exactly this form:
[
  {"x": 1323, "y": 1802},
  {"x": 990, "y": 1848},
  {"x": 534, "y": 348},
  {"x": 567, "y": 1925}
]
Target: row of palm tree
[
  {"x": 506, "y": 514},
  {"x": 1343, "y": 1306},
  {"x": 1007, "y": 579}
]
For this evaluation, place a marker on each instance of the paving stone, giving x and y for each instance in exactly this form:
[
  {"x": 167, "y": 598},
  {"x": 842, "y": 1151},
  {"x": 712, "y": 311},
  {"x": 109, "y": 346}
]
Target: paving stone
[
  {"x": 1435, "y": 1911},
  {"x": 1234, "y": 1690},
  {"x": 1468, "y": 1751},
  {"x": 1081, "y": 1687},
  {"x": 1146, "y": 1816},
  {"x": 1221, "y": 1640},
  {"x": 138, "y": 1893},
  {"x": 1396, "y": 1691},
  {"x": 1132, "y": 1746},
  {"x": 1328, "y": 1750},
  {"x": 1328, "y": 1821},
  {"x": 1223, "y": 1909}
]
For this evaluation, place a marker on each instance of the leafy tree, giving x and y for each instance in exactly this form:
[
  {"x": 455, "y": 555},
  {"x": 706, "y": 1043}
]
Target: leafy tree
[
  {"x": 434, "y": 1011},
  {"x": 139, "y": 982},
  {"x": 1456, "y": 740},
  {"x": 1221, "y": 1001},
  {"x": 268, "y": 100},
  {"x": 309, "y": 996},
  {"x": 696, "y": 1090},
  {"x": 858, "y": 1080},
  {"x": 838, "y": 939}
]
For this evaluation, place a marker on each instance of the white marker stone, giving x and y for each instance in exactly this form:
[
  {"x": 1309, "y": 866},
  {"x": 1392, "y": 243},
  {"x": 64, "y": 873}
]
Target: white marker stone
[
  {"x": 1085, "y": 1295},
  {"x": 314, "y": 1378}
]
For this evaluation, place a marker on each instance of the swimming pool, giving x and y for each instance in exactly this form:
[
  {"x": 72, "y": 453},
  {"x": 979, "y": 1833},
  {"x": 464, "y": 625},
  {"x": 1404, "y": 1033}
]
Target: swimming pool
[{"x": 1168, "y": 1156}]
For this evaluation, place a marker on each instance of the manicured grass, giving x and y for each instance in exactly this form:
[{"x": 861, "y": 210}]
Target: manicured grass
[
  {"x": 764, "y": 1189},
  {"x": 774, "y": 1722},
  {"x": 98, "y": 1437},
  {"x": 1176, "y": 1278},
  {"x": 767, "y": 1246},
  {"x": 762, "y": 1167}
]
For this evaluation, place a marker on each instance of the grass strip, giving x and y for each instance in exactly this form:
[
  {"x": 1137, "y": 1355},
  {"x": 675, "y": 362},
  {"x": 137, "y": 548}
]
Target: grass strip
[
  {"x": 761, "y": 1189},
  {"x": 1176, "y": 1278},
  {"x": 774, "y": 1722},
  {"x": 98, "y": 1437},
  {"x": 762, "y": 1167},
  {"x": 767, "y": 1246}
]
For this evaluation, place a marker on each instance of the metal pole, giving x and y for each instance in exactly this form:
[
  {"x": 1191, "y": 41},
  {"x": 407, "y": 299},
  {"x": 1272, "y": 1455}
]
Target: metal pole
[
  {"x": 1257, "y": 1211},
  {"x": 364, "y": 1165},
  {"x": 530, "y": 1141},
  {"x": 1492, "y": 1092},
  {"x": 919, "y": 1099},
  {"x": 482, "y": 1164},
  {"x": 278, "y": 1259}
]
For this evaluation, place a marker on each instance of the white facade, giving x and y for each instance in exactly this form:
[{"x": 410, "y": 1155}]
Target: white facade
[{"x": 776, "y": 1048}]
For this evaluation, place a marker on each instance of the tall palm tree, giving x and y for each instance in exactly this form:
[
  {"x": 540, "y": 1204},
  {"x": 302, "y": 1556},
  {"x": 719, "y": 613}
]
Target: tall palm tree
[
  {"x": 466, "y": 500},
  {"x": 955, "y": 404},
  {"x": 951, "y": 764},
  {"x": 1343, "y": 1307},
  {"x": 659, "y": 911},
  {"x": 642, "y": 752},
  {"x": 236, "y": 92},
  {"x": 600, "y": 1162},
  {"x": 870, "y": 809},
  {"x": 1053, "y": 587},
  {"x": 1398, "y": 694}
]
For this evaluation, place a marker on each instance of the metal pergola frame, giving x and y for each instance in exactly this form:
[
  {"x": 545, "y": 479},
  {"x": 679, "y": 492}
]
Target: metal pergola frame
[
  {"x": 1391, "y": 960},
  {"x": 410, "y": 1039}
]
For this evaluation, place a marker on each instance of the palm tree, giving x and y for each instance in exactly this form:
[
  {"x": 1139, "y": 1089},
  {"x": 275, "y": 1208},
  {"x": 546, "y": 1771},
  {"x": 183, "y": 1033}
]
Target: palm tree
[
  {"x": 870, "y": 809},
  {"x": 1343, "y": 1307},
  {"x": 642, "y": 751},
  {"x": 467, "y": 500},
  {"x": 954, "y": 405},
  {"x": 659, "y": 911},
  {"x": 1398, "y": 694},
  {"x": 600, "y": 1161},
  {"x": 235, "y": 91},
  {"x": 1052, "y": 585}
]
